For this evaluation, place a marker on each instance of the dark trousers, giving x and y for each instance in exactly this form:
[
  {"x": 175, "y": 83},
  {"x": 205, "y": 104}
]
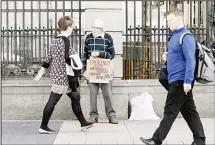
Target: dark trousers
[
  {"x": 177, "y": 101},
  {"x": 75, "y": 103}
]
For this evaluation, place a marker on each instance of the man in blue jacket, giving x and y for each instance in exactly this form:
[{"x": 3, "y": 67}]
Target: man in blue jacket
[{"x": 181, "y": 64}]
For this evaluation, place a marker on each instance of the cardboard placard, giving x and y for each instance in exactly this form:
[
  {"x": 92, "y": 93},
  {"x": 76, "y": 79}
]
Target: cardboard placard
[{"x": 99, "y": 70}]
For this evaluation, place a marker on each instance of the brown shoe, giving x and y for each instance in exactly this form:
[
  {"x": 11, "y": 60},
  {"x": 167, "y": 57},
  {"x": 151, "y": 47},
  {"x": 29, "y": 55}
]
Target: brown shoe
[
  {"x": 113, "y": 120},
  {"x": 93, "y": 120}
]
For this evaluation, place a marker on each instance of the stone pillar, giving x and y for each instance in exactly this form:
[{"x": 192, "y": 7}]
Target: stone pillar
[{"x": 112, "y": 15}]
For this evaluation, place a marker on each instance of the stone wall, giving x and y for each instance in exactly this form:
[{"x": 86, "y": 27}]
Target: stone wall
[{"x": 23, "y": 99}]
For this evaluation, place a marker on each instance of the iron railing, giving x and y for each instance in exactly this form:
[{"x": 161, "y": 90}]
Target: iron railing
[
  {"x": 23, "y": 51},
  {"x": 28, "y": 28},
  {"x": 147, "y": 34}
]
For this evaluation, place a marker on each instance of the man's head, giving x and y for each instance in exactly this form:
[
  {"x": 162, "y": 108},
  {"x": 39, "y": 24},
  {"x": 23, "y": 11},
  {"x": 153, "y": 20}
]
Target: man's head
[
  {"x": 97, "y": 26},
  {"x": 65, "y": 24},
  {"x": 175, "y": 19}
]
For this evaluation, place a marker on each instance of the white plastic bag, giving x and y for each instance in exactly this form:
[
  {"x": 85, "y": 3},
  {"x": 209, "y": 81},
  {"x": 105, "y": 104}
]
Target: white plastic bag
[{"x": 142, "y": 108}]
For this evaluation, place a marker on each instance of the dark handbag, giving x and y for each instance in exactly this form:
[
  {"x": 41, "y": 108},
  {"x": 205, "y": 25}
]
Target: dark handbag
[{"x": 163, "y": 77}]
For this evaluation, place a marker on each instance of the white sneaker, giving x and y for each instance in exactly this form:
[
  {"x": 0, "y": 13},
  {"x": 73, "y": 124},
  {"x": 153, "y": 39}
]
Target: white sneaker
[
  {"x": 47, "y": 131},
  {"x": 84, "y": 128}
]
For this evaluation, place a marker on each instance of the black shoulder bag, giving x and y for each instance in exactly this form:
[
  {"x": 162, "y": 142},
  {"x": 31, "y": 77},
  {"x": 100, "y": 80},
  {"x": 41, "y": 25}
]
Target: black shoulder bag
[{"x": 163, "y": 77}]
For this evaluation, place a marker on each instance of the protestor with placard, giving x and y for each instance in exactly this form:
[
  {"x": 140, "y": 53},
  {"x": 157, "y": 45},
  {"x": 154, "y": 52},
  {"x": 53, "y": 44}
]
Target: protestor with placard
[{"x": 98, "y": 69}]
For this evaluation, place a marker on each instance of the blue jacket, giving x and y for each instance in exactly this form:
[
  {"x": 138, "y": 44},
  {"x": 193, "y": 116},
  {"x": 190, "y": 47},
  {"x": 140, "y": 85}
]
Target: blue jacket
[{"x": 181, "y": 61}]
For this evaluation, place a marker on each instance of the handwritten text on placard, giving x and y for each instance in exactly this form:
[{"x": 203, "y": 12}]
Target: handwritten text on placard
[{"x": 100, "y": 70}]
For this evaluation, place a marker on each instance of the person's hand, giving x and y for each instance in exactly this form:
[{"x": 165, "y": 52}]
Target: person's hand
[
  {"x": 95, "y": 54},
  {"x": 85, "y": 75},
  {"x": 187, "y": 88},
  {"x": 164, "y": 56},
  {"x": 39, "y": 75},
  {"x": 37, "y": 78}
]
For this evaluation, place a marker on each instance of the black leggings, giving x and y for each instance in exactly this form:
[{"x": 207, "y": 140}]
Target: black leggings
[
  {"x": 73, "y": 83},
  {"x": 75, "y": 103}
]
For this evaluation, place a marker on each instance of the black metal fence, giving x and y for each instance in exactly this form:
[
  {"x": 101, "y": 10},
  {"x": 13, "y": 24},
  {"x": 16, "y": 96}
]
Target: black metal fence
[
  {"x": 24, "y": 50},
  {"x": 29, "y": 26},
  {"x": 28, "y": 46},
  {"x": 147, "y": 34}
]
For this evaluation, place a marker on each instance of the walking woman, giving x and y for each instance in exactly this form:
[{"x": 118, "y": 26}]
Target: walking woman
[{"x": 64, "y": 79}]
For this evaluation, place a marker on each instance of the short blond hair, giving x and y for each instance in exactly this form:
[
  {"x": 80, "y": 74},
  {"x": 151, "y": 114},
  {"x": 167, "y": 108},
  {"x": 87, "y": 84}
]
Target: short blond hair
[
  {"x": 64, "y": 23},
  {"x": 176, "y": 12}
]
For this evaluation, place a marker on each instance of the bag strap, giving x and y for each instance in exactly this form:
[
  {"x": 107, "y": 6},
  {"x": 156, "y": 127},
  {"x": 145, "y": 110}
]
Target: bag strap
[
  {"x": 67, "y": 47},
  {"x": 182, "y": 36}
]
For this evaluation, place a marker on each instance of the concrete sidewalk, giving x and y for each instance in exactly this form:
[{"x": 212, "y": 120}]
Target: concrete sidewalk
[{"x": 126, "y": 132}]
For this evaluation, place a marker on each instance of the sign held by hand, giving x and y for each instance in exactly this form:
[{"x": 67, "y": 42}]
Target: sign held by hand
[{"x": 100, "y": 70}]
